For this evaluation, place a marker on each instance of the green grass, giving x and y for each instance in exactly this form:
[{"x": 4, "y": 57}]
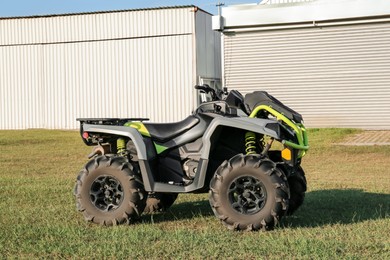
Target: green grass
[{"x": 346, "y": 213}]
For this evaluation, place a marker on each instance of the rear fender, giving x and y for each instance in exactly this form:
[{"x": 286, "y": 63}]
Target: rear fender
[
  {"x": 136, "y": 137},
  {"x": 129, "y": 132}
]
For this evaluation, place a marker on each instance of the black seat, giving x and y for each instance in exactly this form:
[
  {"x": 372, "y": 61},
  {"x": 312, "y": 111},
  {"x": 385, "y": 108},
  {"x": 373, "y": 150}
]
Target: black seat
[
  {"x": 258, "y": 98},
  {"x": 166, "y": 131}
]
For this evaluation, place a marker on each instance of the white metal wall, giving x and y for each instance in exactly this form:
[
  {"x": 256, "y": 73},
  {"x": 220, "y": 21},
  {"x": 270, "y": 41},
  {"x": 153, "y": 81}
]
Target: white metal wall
[
  {"x": 127, "y": 78},
  {"x": 119, "y": 64},
  {"x": 97, "y": 26},
  {"x": 21, "y": 81},
  {"x": 335, "y": 76}
]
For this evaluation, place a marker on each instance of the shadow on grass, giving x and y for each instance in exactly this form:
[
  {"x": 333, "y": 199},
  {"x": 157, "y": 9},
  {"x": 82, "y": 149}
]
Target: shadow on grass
[
  {"x": 349, "y": 206},
  {"x": 324, "y": 207},
  {"x": 182, "y": 211}
]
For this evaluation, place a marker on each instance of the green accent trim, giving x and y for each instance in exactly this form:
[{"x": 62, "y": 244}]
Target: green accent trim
[
  {"x": 140, "y": 127},
  {"x": 159, "y": 148},
  {"x": 294, "y": 145},
  {"x": 299, "y": 129}
]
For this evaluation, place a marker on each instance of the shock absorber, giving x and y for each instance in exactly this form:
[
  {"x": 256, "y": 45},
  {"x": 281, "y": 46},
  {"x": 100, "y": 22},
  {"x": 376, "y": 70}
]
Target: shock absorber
[
  {"x": 121, "y": 146},
  {"x": 250, "y": 143}
]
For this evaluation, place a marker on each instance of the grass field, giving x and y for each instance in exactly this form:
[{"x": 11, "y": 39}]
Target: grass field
[{"x": 346, "y": 213}]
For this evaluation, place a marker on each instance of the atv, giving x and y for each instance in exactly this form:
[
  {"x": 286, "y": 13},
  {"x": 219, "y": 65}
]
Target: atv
[{"x": 246, "y": 152}]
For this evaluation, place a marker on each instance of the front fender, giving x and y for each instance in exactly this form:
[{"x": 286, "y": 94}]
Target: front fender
[{"x": 255, "y": 125}]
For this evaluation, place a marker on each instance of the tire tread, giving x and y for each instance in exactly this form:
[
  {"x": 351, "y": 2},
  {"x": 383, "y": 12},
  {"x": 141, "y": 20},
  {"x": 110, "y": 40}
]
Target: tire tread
[
  {"x": 133, "y": 208},
  {"x": 266, "y": 167}
]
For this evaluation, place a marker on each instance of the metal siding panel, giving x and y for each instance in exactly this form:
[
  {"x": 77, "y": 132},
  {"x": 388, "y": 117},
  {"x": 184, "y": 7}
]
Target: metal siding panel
[
  {"x": 47, "y": 81},
  {"x": 335, "y": 76},
  {"x": 97, "y": 26},
  {"x": 5, "y": 114},
  {"x": 20, "y": 92},
  {"x": 54, "y": 82},
  {"x": 127, "y": 78},
  {"x": 50, "y": 85}
]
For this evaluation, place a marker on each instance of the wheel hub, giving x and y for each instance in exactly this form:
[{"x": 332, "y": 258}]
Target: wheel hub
[
  {"x": 247, "y": 195},
  {"x": 106, "y": 193}
]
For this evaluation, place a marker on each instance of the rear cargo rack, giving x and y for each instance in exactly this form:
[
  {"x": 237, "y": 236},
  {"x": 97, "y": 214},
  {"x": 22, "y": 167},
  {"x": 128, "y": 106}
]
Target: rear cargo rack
[{"x": 109, "y": 121}]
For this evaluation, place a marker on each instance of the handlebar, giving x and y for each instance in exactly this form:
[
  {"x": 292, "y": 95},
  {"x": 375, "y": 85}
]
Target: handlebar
[{"x": 206, "y": 88}]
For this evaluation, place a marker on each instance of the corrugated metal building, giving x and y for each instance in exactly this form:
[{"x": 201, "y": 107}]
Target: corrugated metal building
[
  {"x": 133, "y": 63},
  {"x": 329, "y": 60}
]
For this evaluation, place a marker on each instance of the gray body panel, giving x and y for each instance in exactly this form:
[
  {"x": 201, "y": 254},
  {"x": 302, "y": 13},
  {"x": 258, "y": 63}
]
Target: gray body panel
[
  {"x": 197, "y": 184},
  {"x": 251, "y": 124}
]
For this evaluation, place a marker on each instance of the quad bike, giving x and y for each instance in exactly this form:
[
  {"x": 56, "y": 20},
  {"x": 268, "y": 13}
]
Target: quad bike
[{"x": 246, "y": 152}]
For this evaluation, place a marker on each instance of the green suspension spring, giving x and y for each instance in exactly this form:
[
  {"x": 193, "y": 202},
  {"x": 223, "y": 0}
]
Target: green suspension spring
[
  {"x": 250, "y": 143},
  {"x": 120, "y": 145}
]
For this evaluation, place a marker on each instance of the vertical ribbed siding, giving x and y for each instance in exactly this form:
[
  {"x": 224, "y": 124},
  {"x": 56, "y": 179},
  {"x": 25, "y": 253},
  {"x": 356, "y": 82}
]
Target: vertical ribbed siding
[
  {"x": 335, "y": 76},
  {"x": 21, "y": 87},
  {"x": 126, "y": 64},
  {"x": 126, "y": 78},
  {"x": 96, "y": 26}
]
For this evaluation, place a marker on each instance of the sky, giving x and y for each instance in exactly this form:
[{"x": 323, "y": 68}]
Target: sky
[{"x": 42, "y": 7}]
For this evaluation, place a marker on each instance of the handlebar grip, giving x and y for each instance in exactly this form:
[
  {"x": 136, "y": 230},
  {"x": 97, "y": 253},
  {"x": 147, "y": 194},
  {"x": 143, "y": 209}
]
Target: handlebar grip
[
  {"x": 206, "y": 88},
  {"x": 201, "y": 87}
]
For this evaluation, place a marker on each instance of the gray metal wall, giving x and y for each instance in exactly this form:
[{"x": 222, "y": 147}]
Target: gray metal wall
[
  {"x": 336, "y": 76},
  {"x": 208, "y": 48},
  {"x": 139, "y": 63}
]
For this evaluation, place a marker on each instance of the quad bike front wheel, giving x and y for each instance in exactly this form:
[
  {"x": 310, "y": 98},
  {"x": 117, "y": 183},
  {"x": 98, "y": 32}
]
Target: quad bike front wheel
[
  {"x": 249, "y": 193},
  {"x": 109, "y": 192},
  {"x": 158, "y": 202}
]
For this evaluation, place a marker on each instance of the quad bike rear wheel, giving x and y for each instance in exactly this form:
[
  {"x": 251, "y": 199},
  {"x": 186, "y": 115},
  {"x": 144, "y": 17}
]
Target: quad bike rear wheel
[
  {"x": 158, "y": 202},
  {"x": 249, "y": 193},
  {"x": 109, "y": 192},
  {"x": 298, "y": 185}
]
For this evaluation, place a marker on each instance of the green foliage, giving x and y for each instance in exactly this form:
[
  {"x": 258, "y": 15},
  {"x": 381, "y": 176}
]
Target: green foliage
[{"x": 346, "y": 213}]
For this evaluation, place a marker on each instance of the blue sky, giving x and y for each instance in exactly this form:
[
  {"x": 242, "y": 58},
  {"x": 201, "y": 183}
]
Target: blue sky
[{"x": 42, "y": 7}]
